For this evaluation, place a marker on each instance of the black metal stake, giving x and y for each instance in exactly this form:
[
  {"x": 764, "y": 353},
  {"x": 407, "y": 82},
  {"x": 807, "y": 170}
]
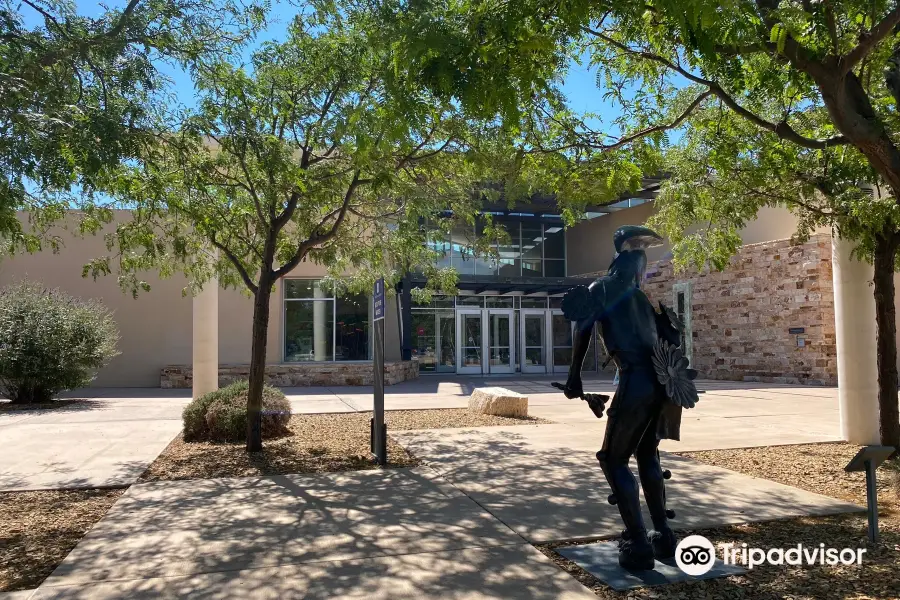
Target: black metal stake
[
  {"x": 872, "y": 501},
  {"x": 379, "y": 431}
]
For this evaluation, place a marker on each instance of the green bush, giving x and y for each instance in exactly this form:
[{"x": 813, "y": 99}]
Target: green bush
[
  {"x": 221, "y": 416},
  {"x": 50, "y": 341}
]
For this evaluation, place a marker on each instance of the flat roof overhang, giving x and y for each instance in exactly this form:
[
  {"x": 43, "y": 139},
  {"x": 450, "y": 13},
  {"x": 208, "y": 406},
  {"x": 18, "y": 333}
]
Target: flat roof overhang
[
  {"x": 544, "y": 206},
  {"x": 512, "y": 286}
]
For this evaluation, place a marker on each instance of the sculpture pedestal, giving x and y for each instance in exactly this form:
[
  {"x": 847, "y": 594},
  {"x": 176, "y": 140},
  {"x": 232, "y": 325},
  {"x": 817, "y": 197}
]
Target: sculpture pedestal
[{"x": 602, "y": 561}]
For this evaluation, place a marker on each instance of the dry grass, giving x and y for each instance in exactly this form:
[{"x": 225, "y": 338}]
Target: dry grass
[
  {"x": 814, "y": 467},
  {"x": 38, "y": 530},
  {"x": 316, "y": 444}
]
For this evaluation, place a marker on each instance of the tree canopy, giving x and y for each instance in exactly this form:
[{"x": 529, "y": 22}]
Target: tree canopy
[
  {"x": 771, "y": 102},
  {"x": 78, "y": 94},
  {"x": 304, "y": 154}
]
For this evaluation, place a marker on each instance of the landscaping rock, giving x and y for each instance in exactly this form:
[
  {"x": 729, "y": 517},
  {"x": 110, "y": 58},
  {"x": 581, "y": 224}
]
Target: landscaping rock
[{"x": 498, "y": 401}]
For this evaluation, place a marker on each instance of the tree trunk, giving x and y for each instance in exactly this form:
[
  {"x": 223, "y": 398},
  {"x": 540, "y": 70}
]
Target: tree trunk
[
  {"x": 886, "y": 344},
  {"x": 258, "y": 364}
]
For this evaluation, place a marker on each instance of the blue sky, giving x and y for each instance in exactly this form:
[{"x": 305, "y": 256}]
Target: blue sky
[{"x": 579, "y": 85}]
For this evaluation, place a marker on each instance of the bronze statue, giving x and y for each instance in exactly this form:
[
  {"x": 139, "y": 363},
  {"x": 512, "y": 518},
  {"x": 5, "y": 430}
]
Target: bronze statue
[{"x": 654, "y": 385}]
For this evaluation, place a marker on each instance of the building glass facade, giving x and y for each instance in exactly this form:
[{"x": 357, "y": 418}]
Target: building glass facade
[
  {"x": 492, "y": 334},
  {"x": 320, "y": 327},
  {"x": 480, "y": 331},
  {"x": 535, "y": 249}
]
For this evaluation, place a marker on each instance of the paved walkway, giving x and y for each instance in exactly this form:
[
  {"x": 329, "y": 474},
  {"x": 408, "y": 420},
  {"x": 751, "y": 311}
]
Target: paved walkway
[
  {"x": 729, "y": 414},
  {"x": 459, "y": 527},
  {"x": 547, "y": 486},
  {"x": 100, "y": 442},
  {"x": 400, "y": 533},
  {"x": 111, "y": 437}
]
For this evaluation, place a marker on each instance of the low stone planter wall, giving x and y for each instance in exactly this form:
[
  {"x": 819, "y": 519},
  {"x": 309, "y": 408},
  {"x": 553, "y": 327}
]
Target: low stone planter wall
[{"x": 298, "y": 375}]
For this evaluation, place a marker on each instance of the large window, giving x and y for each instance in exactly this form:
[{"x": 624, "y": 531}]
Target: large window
[
  {"x": 534, "y": 249},
  {"x": 321, "y": 327}
]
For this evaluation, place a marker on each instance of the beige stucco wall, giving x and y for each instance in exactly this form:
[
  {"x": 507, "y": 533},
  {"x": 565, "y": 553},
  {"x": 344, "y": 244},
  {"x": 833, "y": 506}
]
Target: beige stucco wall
[
  {"x": 156, "y": 327},
  {"x": 589, "y": 246}
]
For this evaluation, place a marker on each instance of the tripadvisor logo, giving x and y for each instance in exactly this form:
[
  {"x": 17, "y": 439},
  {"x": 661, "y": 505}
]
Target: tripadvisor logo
[
  {"x": 795, "y": 555},
  {"x": 696, "y": 555}
]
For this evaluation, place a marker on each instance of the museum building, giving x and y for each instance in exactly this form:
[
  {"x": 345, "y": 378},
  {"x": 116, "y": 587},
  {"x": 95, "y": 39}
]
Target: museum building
[{"x": 768, "y": 317}]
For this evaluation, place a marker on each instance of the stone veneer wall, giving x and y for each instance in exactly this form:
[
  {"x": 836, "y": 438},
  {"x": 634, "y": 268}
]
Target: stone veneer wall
[
  {"x": 741, "y": 316},
  {"x": 299, "y": 375}
]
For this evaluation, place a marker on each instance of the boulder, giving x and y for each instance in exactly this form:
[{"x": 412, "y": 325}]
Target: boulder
[{"x": 498, "y": 401}]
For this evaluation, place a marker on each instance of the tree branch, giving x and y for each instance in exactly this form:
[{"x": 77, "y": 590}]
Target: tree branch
[
  {"x": 665, "y": 127},
  {"x": 316, "y": 238},
  {"x": 783, "y": 130},
  {"x": 123, "y": 18},
  {"x": 869, "y": 40},
  {"x": 236, "y": 262}
]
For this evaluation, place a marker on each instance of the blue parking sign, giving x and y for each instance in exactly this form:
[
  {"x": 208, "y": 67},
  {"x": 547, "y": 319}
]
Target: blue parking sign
[{"x": 378, "y": 299}]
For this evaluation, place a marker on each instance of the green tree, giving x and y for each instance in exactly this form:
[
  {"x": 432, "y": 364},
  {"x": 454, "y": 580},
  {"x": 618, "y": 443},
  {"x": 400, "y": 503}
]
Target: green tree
[
  {"x": 791, "y": 102},
  {"x": 304, "y": 155},
  {"x": 77, "y": 93}
]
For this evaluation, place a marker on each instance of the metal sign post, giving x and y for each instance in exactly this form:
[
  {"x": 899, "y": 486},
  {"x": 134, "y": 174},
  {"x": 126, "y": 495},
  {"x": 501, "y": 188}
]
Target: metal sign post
[
  {"x": 378, "y": 430},
  {"x": 868, "y": 459}
]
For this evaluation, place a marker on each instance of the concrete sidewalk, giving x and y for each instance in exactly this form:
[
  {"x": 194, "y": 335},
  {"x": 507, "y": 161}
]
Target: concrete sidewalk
[
  {"x": 401, "y": 533},
  {"x": 458, "y": 528},
  {"x": 543, "y": 481},
  {"x": 111, "y": 437},
  {"x": 100, "y": 442}
]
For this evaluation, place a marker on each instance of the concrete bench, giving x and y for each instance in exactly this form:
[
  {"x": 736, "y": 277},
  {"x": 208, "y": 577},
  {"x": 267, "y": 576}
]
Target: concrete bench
[{"x": 498, "y": 401}]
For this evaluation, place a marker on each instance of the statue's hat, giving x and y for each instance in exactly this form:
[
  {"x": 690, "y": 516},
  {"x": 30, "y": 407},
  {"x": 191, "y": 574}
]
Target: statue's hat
[{"x": 635, "y": 237}]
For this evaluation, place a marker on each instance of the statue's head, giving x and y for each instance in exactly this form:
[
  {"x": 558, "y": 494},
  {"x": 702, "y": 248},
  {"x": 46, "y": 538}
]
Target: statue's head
[{"x": 631, "y": 242}]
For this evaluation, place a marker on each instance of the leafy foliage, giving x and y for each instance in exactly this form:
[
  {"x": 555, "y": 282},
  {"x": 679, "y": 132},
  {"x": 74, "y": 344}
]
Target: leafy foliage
[
  {"x": 50, "y": 341},
  {"x": 79, "y": 95},
  {"x": 798, "y": 96},
  {"x": 221, "y": 416},
  {"x": 305, "y": 155},
  {"x": 778, "y": 102},
  {"x": 312, "y": 152}
]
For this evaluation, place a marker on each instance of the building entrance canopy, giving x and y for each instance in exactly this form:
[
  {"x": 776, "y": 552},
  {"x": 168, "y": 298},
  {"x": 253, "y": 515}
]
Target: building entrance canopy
[
  {"x": 512, "y": 286},
  {"x": 493, "y": 327}
]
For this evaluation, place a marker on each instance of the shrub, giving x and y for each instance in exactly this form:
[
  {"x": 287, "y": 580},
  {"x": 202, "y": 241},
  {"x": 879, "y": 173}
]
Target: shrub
[
  {"x": 221, "y": 416},
  {"x": 50, "y": 341}
]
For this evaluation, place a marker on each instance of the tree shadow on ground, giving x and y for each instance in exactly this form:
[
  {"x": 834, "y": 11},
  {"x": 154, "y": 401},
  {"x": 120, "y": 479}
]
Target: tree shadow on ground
[
  {"x": 59, "y": 405},
  {"x": 548, "y": 493}
]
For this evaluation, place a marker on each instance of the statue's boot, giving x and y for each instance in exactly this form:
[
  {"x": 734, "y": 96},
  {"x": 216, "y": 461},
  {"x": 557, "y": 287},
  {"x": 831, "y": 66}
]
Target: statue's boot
[
  {"x": 635, "y": 551},
  {"x": 662, "y": 538}
]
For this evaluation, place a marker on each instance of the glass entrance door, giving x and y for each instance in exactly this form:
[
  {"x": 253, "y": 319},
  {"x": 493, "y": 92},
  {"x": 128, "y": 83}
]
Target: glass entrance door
[
  {"x": 500, "y": 341},
  {"x": 446, "y": 343},
  {"x": 561, "y": 337},
  {"x": 533, "y": 340},
  {"x": 434, "y": 341},
  {"x": 470, "y": 341}
]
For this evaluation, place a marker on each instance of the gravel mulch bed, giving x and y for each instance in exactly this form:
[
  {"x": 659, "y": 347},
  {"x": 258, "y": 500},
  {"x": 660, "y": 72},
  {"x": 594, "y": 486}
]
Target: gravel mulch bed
[
  {"x": 316, "y": 444},
  {"x": 814, "y": 467},
  {"x": 38, "y": 530},
  {"x": 447, "y": 418}
]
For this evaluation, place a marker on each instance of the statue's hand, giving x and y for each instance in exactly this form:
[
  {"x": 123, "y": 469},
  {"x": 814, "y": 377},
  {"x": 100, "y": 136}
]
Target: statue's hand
[
  {"x": 571, "y": 392},
  {"x": 596, "y": 402}
]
